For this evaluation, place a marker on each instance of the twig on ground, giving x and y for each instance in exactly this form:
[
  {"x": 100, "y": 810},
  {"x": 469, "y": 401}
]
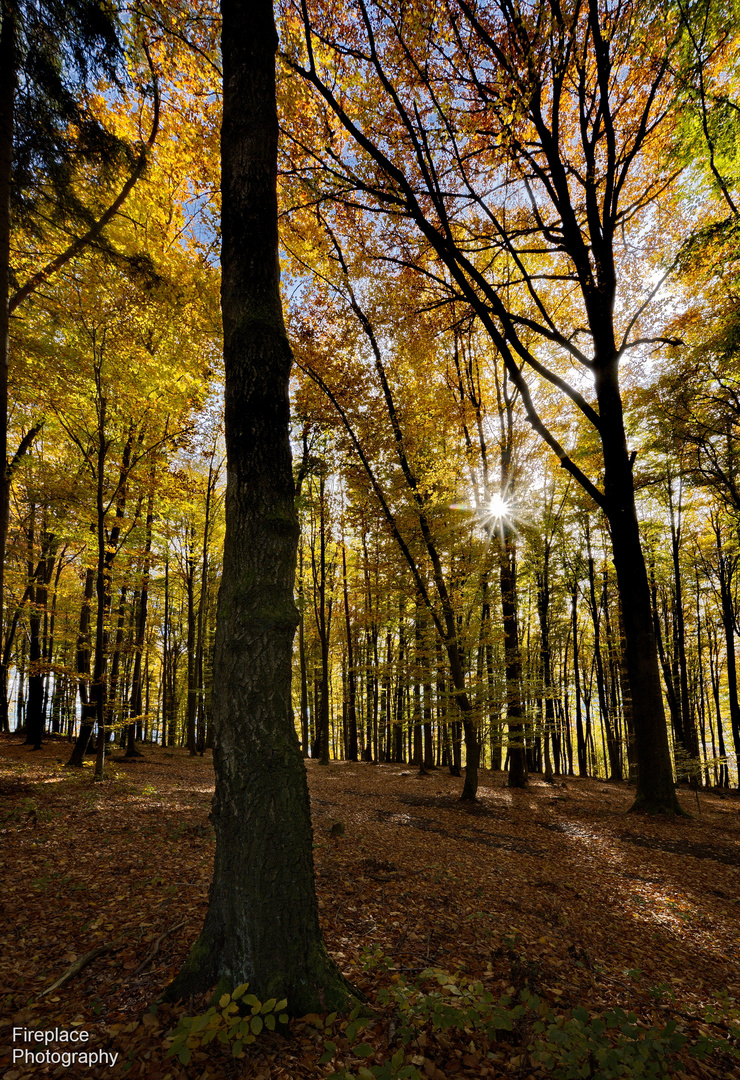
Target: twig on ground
[
  {"x": 155, "y": 947},
  {"x": 77, "y": 966}
]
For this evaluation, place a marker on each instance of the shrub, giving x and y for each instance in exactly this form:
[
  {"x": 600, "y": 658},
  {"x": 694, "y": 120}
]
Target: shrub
[{"x": 237, "y": 1021}]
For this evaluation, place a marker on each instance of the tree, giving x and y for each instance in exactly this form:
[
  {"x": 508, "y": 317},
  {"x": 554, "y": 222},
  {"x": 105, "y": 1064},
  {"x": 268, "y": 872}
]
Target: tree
[
  {"x": 520, "y": 152},
  {"x": 262, "y": 922},
  {"x": 52, "y": 56}
]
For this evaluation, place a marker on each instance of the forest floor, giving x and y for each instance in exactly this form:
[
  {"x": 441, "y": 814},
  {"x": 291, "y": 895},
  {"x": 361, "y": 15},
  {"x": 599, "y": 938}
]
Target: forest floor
[{"x": 554, "y": 888}]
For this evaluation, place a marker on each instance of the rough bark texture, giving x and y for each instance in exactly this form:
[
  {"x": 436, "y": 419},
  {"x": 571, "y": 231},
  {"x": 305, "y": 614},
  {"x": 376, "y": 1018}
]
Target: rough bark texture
[
  {"x": 7, "y": 97},
  {"x": 262, "y": 922}
]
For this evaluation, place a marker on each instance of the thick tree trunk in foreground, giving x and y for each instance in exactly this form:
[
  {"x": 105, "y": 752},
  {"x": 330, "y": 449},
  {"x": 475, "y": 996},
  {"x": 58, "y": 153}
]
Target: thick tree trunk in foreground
[
  {"x": 262, "y": 923},
  {"x": 7, "y": 100}
]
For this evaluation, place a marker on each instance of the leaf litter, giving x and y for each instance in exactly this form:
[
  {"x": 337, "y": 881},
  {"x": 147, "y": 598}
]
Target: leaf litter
[{"x": 554, "y": 888}]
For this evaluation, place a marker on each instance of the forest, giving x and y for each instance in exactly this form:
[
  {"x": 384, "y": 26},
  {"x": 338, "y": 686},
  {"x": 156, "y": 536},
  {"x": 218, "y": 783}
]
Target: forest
[{"x": 370, "y": 393}]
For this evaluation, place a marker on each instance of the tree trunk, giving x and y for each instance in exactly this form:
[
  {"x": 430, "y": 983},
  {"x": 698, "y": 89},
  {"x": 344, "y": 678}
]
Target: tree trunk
[
  {"x": 8, "y": 33},
  {"x": 87, "y": 706},
  {"x": 262, "y": 923},
  {"x": 135, "y": 701},
  {"x": 512, "y": 657},
  {"x": 351, "y": 676},
  {"x": 612, "y": 755},
  {"x": 192, "y": 699},
  {"x": 302, "y": 659},
  {"x": 656, "y": 791}
]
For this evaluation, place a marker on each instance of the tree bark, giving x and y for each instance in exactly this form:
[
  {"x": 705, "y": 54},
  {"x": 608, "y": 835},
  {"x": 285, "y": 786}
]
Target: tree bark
[
  {"x": 262, "y": 923},
  {"x": 351, "y": 675},
  {"x": 8, "y": 33},
  {"x": 656, "y": 791},
  {"x": 136, "y": 698}
]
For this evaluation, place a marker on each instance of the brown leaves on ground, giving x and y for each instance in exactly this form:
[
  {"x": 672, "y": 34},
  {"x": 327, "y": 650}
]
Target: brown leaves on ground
[{"x": 555, "y": 887}]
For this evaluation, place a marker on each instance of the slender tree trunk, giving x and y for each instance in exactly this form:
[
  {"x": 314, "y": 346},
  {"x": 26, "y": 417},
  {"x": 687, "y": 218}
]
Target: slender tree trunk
[
  {"x": 102, "y": 593},
  {"x": 87, "y": 706},
  {"x": 262, "y": 923},
  {"x": 192, "y": 700},
  {"x": 727, "y": 568},
  {"x": 302, "y": 658},
  {"x": 115, "y": 661},
  {"x": 135, "y": 699},
  {"x": 202, "y": 605},
  {"x": 512, "y": 657},
  {"x": 543, "y": 611},
  {"x": 714, "y": 676},
  {"x": 351, "y": 674}
]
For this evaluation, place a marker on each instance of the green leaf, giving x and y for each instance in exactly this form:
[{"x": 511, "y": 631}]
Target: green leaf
[
  {"x": 251, "y": 1000},
  {"x": 363, "y": 1050},
  {"x": 184, "y": 1055},
  {"x": 330, "y": 1050},
  {"x": 224, "y": 1000},
  {"x": 281, "y": 1005},
  {"x": 199, "y": 1022},
  {"x": 270, "y": 1021},
  {"x": 397, "y": 1060},
  {"x": 239, "y": 991},
  {"x": 236, "y": 1049},
  {"x": 256, "y": 1024},
  {"x": 283, "y": 1018},
  {"x": 268, "y": 1006}
]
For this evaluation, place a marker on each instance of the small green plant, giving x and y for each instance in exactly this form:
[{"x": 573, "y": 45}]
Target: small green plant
[
  {"x": 453, "y": 1002},
  {"x": 612, "y": 1045},
  {"x": 150, "y": 790},
  {"x": 237, "y": 1020}
]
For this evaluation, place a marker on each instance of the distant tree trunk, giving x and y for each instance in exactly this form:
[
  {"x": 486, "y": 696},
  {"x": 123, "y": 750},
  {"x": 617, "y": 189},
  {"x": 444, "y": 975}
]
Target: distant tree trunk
[
  {"x": 135, "y": 700},
  {"x": 387, "y": 700},
  {"x": 714, "y": 676},
  {"x": 102, "y": 596},
  {"x": 262, "y": 923},
  {"x": 323, "y": 611},
  {"x": 87, "y": 705},
  {"x": 115, "y": 662},
  {"x": 398, "y": 755},
  {"x": 34, "y": 710},
  {"x": 727, "y": 569},
  {"x": 351, "y": 674},
  {"x": 56, "y": 697},
  {"x": 192, "y": 699},
  {"x": 512, "y": 656},
  {"x": 302, "y": 657},
  {"x": 202, "y": 604},
  {"x": 580, "y": 738},
  {"x": 543, "y": 611},
  {"x": 687, "y": 733}
]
